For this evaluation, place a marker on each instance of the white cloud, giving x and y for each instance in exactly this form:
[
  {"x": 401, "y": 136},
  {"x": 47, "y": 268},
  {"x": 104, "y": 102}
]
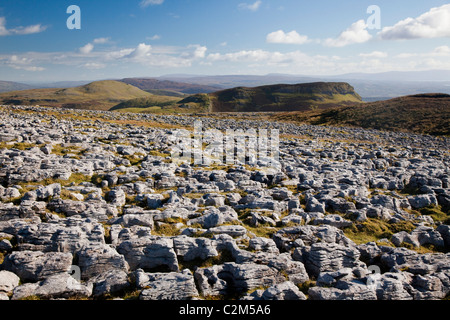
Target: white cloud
[
  {"x": 442, "y": 51},
  {"x": 21, "y": 63},
  {"x": 87, "y": 48},
  {"x": 94, "y": 65},
  {"x": 406, "y": 55},
  {"x": 433, "y": 24},
  {"x": 146, "y": 3},
  {"x": 287, "y": 38},
  {"x": 141, "y": 52},
  {"x": 374, "y": 54},
  {"x": 37, "y": 28},
  {"x": 356, "y": 33},
  {"x": 101, "y": 40},
  {"x": 199, "y": 52},
  {"x": 155, "y": 37},
  {"x": 250, "y": 6}
]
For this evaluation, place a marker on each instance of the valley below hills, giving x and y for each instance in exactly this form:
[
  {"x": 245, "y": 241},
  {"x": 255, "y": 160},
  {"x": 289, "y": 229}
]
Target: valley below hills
[{"x": 317, "y": 103}]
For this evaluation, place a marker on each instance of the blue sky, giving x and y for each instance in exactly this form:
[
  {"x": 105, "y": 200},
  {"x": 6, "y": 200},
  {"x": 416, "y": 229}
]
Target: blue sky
[{"x": 137, "y": 38}]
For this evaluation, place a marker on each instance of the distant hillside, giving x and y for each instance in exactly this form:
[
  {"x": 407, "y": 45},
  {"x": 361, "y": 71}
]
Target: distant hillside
[
  {"x": 284, "y": 97},
  {"x": 6, "y": 86},
  {"x": 148, "y": 84},
  {"x": 99, "y": 95},
  {"x": 370, "y": 86},
  {"x": 423, "y": 113},
  {"x": 198, "y": 103}
]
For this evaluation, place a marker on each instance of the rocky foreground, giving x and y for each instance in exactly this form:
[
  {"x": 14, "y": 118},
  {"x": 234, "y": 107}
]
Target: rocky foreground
[{"x": 93, "y": 207}]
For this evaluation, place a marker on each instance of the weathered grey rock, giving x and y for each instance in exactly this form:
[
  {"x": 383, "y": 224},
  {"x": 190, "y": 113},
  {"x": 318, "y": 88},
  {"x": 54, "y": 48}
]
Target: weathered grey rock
[
  {"x": 149, "y": 253},
  {"x": 9, "y": 193},
  {"x": 283, "y": 291},
  {"x": 169, "y": 286},
  {"x": 333, "y": 220},
  {"x": 393, "y": 286},
  {"x": 295, "y": 271},
  {"x": 52, "y": 190},
  {"x": 263, "y": 244},
  {"x": 314, "y": 205},
  {"x": 209, "y": 281},
  {"x": 97, "y": 259},
  {"x": 329, "y": 257},
  {"x": 330, "y": 278},
  {"x": 111, "y": 282},
  {"x": 248, "y": 276},
  {"x": 175, "y": 213},
  {"x": 214, "y": 199},
  {"x": 117, "y": 197},
  {"x": 444, "y": 230},
  {"x": 95, "y": 209},
  {"x": 428, "y": 287},
  {"x": 358, "y": 292},
  {"x": 402, "y": 258},
  {"x": 60, "y": 285},
  {"x": 422, "y": 235},
  {"x": 5, "y": 245},
  {"x": 209, "y": 219},
  {"x": 369, "y": 252},
  {"x": 299, "y": 236},
  {"x": 68, "y": 235},
  {"x": 232, "y": 230},
  {"x": 194, "y": 248},
  {"x": 129, "y": 220},
  {"x": 339, "y": 205},
  {"x": 34, "y": 266},
  {"x": 8, "y": 281},
  {"x": 422, "y": 200},
  {"x": 257, "y": 218}
]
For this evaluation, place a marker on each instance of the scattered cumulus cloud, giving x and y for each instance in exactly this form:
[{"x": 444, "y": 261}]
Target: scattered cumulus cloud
[
  {"x": 432, "y": 24},
  {"x": 146, "y": 3},
  {"x": 94, "y": 65},
  {"x": 101, "y": 40},
  {"x": 199, "y": 52},
  {"x": 87, "y": 48},
  {"x": 356, "y": 33},
  {"x": 442, "y": 51},
  {"x": 250, "y": 6},
  {"x": 286, "y": 38},
  {"x": 21, "y": 63},
  {"x": 140, "y": 53},
  {"x": 374, "y": 54},
  {"x": 154, "y": 37},
  {"x": 37, "y": 28}
]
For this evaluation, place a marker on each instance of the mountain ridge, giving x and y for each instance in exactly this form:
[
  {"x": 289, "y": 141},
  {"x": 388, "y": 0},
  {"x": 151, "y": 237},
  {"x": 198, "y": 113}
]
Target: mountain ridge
[{"x": 284, "y": 97}]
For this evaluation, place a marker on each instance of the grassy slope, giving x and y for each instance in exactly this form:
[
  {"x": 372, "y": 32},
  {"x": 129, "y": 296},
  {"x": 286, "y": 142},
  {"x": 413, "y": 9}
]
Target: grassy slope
[
  {"x": 165, "y": 104},
  {"x": 99, "y": 95},
  {"x": 425, "y": 114},
  {"x": 147, "y": 84}
]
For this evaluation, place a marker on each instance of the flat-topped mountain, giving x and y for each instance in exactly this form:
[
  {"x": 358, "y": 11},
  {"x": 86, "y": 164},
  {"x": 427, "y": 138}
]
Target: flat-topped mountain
[{"x": 284, "y": 97}]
